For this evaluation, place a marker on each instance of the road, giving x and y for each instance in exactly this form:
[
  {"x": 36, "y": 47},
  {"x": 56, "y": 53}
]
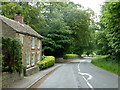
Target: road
[{"x": 80, "y": 73}]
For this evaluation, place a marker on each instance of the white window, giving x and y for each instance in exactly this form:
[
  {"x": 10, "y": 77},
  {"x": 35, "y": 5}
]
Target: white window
[
  {"x": 33, "y": 43},
  {"x": 28, "y": 59},
  {"x": 38, "y": 44},
  {"x": 39, "y": 57},
  {"x": 33, "y": 59}
]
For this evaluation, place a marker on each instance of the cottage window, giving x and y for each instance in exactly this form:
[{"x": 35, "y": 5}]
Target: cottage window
[
  {"x": 38, "y": 44},
  {"x": 39, "y": 57},
  {"x": 28, "y": 59},
  {"x": 33, "y": 43},
  {"x": 21, "y": 39},
  {"x": 33, "y": 59}
]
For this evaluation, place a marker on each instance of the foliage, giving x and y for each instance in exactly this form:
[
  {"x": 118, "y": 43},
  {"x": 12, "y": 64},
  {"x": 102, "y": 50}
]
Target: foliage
[
  {"x": 101, "y": 43},
  {"x": 66, "y": 26},
  {"x": 12, "y": 55},
  {"x": 79, "y": 22},
  {"x": 106, "y": 63},
  {"x": 57, "y": 40},
  {"x": 47, "y": 62},
  {"x": 71, "y": 56},
  {"x": 111, "y": 27},
  {"x": 32, "y": 15}
]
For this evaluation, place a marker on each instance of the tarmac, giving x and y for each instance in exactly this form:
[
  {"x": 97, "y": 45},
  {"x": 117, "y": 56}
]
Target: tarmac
[{"x": 28, "y": 81}]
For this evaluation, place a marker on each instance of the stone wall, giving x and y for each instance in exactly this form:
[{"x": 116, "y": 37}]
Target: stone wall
[
  {"x": 61, "y": 60},
  {"x": 31, "y": 70},
  {"x": 8, "y": 78},
  {"x": 27, "y": 48}
]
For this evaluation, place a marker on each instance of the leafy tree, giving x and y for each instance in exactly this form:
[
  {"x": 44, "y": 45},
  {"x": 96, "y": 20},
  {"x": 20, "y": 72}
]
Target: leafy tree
[
  {"x": 79, "y": 21},
  {"x": 101, "y": 43},
  {"x": 57, "y": 40},
  {"x": 110, "y": 20}
]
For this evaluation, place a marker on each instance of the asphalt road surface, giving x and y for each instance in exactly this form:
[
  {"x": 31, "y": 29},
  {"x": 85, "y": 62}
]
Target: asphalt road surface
[{"x": 80, "y": 73}]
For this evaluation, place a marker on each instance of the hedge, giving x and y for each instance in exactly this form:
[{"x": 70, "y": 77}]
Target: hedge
[
  {"x": 70, "y": 56},
  {"x": 47, "y": 62}
]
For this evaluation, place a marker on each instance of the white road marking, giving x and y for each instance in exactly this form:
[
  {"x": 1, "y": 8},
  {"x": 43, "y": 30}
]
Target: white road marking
[{"x": 89, "y": 78}]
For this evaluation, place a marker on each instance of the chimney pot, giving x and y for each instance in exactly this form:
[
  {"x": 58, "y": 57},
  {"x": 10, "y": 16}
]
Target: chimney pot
[{"x": 19, "y": 18}]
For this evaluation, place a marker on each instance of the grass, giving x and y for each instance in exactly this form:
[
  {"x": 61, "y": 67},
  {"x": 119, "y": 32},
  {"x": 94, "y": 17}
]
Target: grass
[{"x": 106, "y": 63}]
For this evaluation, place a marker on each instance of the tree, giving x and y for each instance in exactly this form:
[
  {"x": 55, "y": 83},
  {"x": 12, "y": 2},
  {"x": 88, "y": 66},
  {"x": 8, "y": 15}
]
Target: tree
[
  {"x": 101, "y": 43},
  {"x": 110, "y": 20},
  {"x": 79, "y": 21},
  {"x": 57, "y": 40}
]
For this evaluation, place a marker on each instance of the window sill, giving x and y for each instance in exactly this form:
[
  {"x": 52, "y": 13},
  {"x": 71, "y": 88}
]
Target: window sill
[
  {"x": 33, "y": 47},
  {"x": 38, "y": 61},
  {"x": 38, "y": 47},
  {"x": 32, "y": 64},
  {"x": 28, "y": 66}
]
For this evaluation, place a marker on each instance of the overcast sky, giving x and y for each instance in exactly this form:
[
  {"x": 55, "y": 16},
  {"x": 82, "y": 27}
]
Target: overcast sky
[{"x": 93, "y": 4}]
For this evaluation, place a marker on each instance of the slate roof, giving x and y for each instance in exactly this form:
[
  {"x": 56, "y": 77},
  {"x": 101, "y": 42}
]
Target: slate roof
[{"x": 20, "y": 28}]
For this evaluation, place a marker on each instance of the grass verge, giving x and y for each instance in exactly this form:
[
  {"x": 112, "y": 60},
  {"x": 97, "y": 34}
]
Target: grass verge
[{"x": 106, "y": 63}]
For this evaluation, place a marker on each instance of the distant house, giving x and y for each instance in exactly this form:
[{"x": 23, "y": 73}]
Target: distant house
[{"x": 29, "y": 38}]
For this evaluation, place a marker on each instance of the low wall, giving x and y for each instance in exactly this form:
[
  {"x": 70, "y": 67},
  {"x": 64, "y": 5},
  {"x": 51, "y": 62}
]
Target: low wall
[
  {"x": 31, "y": 70},
  {"x": 8, "y": 78},
  {"x": 61, "y": 60}
]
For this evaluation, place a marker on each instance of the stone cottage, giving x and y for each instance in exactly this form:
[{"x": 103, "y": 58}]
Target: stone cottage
[{"x": 29, "y": 38}]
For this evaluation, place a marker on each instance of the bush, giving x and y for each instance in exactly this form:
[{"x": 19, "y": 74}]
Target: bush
[
  {"x": 47, "y": 62},
  {"x": 83, "y": 55},
  {"x": 106, "y": 63},
  {"x": 70, "y": 56},
  {"x": 11, "y": 55}
]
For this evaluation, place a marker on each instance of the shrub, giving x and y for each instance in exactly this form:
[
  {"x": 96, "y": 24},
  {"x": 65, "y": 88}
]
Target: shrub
[
  {"x": 83, "y": 55},
  {"x": 11, "y": 55},
  {"x": 47, "y": 62},
  {"x": 70, "y": 56}
]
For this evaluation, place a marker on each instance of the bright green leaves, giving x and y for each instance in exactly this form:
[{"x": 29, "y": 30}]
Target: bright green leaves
[{"x": 110, "y": 19}]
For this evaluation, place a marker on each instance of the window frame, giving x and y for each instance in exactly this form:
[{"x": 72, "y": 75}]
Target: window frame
[
  {"x": 33, "y": 58},
  {"x": 28, "y": 59},
  {"x": 39, "y": 44},
  {"x": 38, "y": 57},
  {"x": 33, "y": 43}
]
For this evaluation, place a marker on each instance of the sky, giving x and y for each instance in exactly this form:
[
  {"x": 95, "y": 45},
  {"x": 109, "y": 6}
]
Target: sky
[{"x": 93, "y": 4}]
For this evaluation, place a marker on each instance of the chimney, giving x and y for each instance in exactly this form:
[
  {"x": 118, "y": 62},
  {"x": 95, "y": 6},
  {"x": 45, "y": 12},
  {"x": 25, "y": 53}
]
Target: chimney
[{"x": 19, "y": 18}]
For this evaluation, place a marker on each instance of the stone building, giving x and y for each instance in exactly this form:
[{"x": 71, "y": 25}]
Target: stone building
[{"x": 29, "y": 38}]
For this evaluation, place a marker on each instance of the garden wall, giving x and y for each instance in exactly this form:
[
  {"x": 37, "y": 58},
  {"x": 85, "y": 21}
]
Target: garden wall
[
  {"x": 8, "y": 78},
  {"x": 31, "y": 70},
  {"x": 61, "y": 60}
]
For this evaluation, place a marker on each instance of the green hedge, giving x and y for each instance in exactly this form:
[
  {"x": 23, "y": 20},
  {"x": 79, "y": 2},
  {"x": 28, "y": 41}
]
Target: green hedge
[
  {"x": 47, "y": 62},
  {"x": 70, "y": 56},
  {"x": 106, "y": 63}
]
